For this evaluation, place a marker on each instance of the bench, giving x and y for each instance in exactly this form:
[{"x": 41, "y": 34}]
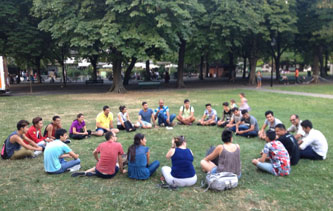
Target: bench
[
  {"x": 149, "y": 83},
  {"x": 99, "y": 81},
  {"x": 287, "y": 79}
]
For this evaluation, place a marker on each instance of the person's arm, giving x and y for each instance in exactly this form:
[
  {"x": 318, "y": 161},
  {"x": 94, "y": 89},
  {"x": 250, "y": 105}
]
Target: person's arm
[
  {"x": 214, "y": 154},
  {"x": 75, "y": 132},
  {"x": 263, "y": 128},
  {"x": 170, "y": 153},
  {"x": 248, "y": 130},
  {"x": 31, "y": 142},
  {"x": 120, "y": 162},
  {"x": 73, "y": 155},
  {"x": 292, "y": 128},
  {"x": 65, "y": 156},
  {"x": 20, "y": 141},
  {"x": 153, "y": 120},
  {"x": 168, "y": 116},
  {"x": 237, "y": 125},
  {"x": 95, "y": 153},
  {"x": 231, "y": 123},
  {"x": 203, "y": 117},
  {"x": 111, "y": 124},
  {"x": 49, "y": 130},
  {"x": 85, "y": 130},
  {"x": 180, "y": 113},
  {"x": 306, "y": 141},
  {"x": 263, "y": 158},
  {"x": 128, "y": 118},
  {"x": 156, "y": 113},
  {"x": 192, "y": 115},
  {"x": 148, "y": 156}
]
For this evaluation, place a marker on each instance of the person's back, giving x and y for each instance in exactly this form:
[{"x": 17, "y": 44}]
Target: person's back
[
  {"x": 182, "y": 166},
  {"x": 52, "y": 153},
  {"x": 229, "y": 161},
  {"x": 279, "y": 157},
  {"x": 317, "y": 141},
  {"x": 290, "y": 143},
  {"x": 137, "y": 169},
  {"x": 109, "y": 152}
]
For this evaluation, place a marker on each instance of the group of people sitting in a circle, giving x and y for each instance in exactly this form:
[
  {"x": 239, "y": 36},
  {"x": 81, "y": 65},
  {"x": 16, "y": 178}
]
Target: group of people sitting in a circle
[{"x": 282, "y": 149}]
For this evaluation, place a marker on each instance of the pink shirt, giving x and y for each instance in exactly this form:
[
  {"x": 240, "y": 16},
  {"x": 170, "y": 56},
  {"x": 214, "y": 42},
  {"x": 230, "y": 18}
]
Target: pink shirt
[{"x": 109, "y": 152}]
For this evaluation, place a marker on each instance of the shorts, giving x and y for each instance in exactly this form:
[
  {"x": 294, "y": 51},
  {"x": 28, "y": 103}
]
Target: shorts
[
  {"x": 144, "y": 123},
  {"x": 104, "y": 131},
  {"x": 106, "y": 176}
]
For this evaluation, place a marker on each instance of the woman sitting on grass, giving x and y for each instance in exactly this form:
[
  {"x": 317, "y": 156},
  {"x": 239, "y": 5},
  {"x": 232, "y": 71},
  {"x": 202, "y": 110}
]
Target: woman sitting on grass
[
  {"x": 182, "y": 172},
  {"x": 123, "y": 120},
  {"x": 276, "y": 153},
  {"x": 78, "y": 129},
  {"x": 228, "y": 157},
  {"x": 138, "y": 159}
]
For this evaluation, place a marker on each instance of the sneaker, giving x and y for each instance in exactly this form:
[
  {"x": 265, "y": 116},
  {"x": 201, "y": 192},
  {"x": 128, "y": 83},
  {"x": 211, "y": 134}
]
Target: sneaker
[
  {"x": 36, "y": 153},
  {"x": 90, "y": 174},
  {"x": 75, "y": 168},
  {"x": 169, "y": 128},
  {"x": 76, "y": 174},
  {"x": 67, "y": 141}
]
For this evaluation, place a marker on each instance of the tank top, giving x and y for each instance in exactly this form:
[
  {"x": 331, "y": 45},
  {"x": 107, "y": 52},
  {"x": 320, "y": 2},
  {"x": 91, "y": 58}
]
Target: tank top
[
  {"x": 123, "y": 117},
  {"x": 182, "y": 166},
  {"x": 229, "y": 161},
  {"x": 10, "y": 148}
]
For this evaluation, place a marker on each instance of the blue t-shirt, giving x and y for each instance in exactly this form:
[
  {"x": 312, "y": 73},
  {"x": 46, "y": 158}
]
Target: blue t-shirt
[
  {"x": 138, "y": 169},
  {"x": 53, "y": 151},
  {"x": 182, "y": 166},
  {"x": 146, "y": 115},
  {"x": 163, "y": 111}
]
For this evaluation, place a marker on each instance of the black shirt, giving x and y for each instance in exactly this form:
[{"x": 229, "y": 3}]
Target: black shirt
[
  {"x": 227, "y": 115},
  {"x": 291, "y": 145}
]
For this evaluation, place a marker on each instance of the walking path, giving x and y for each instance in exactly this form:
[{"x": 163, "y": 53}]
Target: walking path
[{"x": 294, "y": 93}]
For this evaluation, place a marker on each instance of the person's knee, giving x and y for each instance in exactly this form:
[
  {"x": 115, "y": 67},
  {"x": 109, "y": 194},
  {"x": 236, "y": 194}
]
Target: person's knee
[{"x": 203, "y": 164}]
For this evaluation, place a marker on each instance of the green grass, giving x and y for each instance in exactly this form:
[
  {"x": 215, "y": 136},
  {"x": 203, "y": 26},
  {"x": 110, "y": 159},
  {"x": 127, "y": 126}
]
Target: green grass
[
  {"x": 311, "y": 88},
  {"x": 24, "y": 185}
]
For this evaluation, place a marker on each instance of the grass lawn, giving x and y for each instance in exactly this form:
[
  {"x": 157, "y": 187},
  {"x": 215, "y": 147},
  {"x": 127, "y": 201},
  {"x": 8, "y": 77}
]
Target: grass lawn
[
  {"x": 311, "y": 88},
  {"x": 24, "y": 185}
]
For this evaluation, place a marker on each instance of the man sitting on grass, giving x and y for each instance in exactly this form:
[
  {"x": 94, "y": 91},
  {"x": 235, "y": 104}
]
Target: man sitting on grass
[
  {"x": 289, "y": 142},
  {"x": 270, "y": 121},
  {"x": 226, "y": 115},
  {"x": 236, "y": 117},
  {"x": 314, "y": 145},
  {"x": 104, "y": 122},
  {"x": 52, "y": 127},
  {"x": 146, "y": 116},
  {"x": 56, "y": 151},
  {"x": 209, "y": 117},
  {"x": 15, "y": 147},
  {"x": 162, "y": 114},
  {"x": 186, "y": 114},
  {"x": 110, "y": 151},
  {"x": 248, "y": 126},
  {"x": 296, "y": 127},
  {"x": 276, "y": 153}
]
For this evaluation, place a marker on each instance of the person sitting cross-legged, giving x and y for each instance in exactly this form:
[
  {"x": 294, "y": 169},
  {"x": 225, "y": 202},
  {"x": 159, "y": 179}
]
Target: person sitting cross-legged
[
  {"x": 276, "y": 153},
  {"x": 56, "y": 151},
  {"x": 271, "y": 122},
  {"x": 248, "y": 126},
  {"x": 296, "y": 127},
  {"x": 209, "y": 117},
  {"x": 78, "y": 129},
  {"x": 236, "y": 117},
  {"x": 226, "y": 117},
  {"x": 182, "y": 172},
  {"x": 228, "y": 156},
  {"x": 123, "y": 120},
  {"x": 51, "y": 128},
  {"x": 15, "y": 147},
  {"x": 109, "y": 152},
  {"x": 314, "y": 145},
  {"x": 186, "y": 114},
  {"x": 162, "y": 114},
  {"x": 146, "y": 117},
  {"x": 138, "y": 157},
  {"x": 104, "y": 122}
]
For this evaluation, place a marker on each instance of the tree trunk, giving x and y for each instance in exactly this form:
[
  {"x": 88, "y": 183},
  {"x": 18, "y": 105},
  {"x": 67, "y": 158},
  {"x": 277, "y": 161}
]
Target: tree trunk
[
  {"x": 321, "y": 62},
  {"x": 64, "y": 74},
  {"x": 117, "y": 84},
  {"x": 39, "y": 77},
  {"x": 94, "y": 59},
  {"x": 326, "y": 62},
  {"x": 129, "y": 71},
  {"x": 181, "y": 59},
  {"x": 252, "y": 74},
  {"x": 201, "y": 67},
  {"x": 207, "y": 67},
  {"x": 148, "y": 76},
  {"x": 232, "y": 69},
  {"x": 244, "y": 67},
  {"x": 277, "y": 66},
  {"x": 315, "y": 65}
]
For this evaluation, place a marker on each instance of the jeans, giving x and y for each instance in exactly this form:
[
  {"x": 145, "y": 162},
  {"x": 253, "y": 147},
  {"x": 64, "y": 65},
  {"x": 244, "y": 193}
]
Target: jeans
[
  {"x": 153, "y": 167},
  {"x": 106, "y": 176},
  {"x": 79, "y": 136},
  {"x": 252, "y": 133},
  {"x": 309, "y": 153},
  {"x": 66, "y": 165},
  {"x": 268, "y": 167},
  {"x": 233, "y": 128},
  {"x": 163, "y": 117}
]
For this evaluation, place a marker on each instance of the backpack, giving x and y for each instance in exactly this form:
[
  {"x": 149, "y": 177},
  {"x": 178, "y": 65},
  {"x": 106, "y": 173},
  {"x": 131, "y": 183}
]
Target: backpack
[
  {"x": 221, "y": 181},
  {"x": 3, "y": 151}
]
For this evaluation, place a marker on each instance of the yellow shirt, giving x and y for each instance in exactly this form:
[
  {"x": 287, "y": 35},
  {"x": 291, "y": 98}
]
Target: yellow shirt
[{"x": 104, "y": 120}]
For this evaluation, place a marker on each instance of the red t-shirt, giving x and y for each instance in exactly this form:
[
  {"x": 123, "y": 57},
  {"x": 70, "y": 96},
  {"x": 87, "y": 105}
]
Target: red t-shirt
[
  {"x": 35, "y": 135},
  {"x": 109, "y": 152}
]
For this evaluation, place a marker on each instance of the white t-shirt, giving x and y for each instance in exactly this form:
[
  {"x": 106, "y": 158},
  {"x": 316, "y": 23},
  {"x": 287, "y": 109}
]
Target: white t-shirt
[
  {"x": 122, "y": 116},
  {"x": 298, "y": 129},
  {"x": 317, "y": 141}
]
